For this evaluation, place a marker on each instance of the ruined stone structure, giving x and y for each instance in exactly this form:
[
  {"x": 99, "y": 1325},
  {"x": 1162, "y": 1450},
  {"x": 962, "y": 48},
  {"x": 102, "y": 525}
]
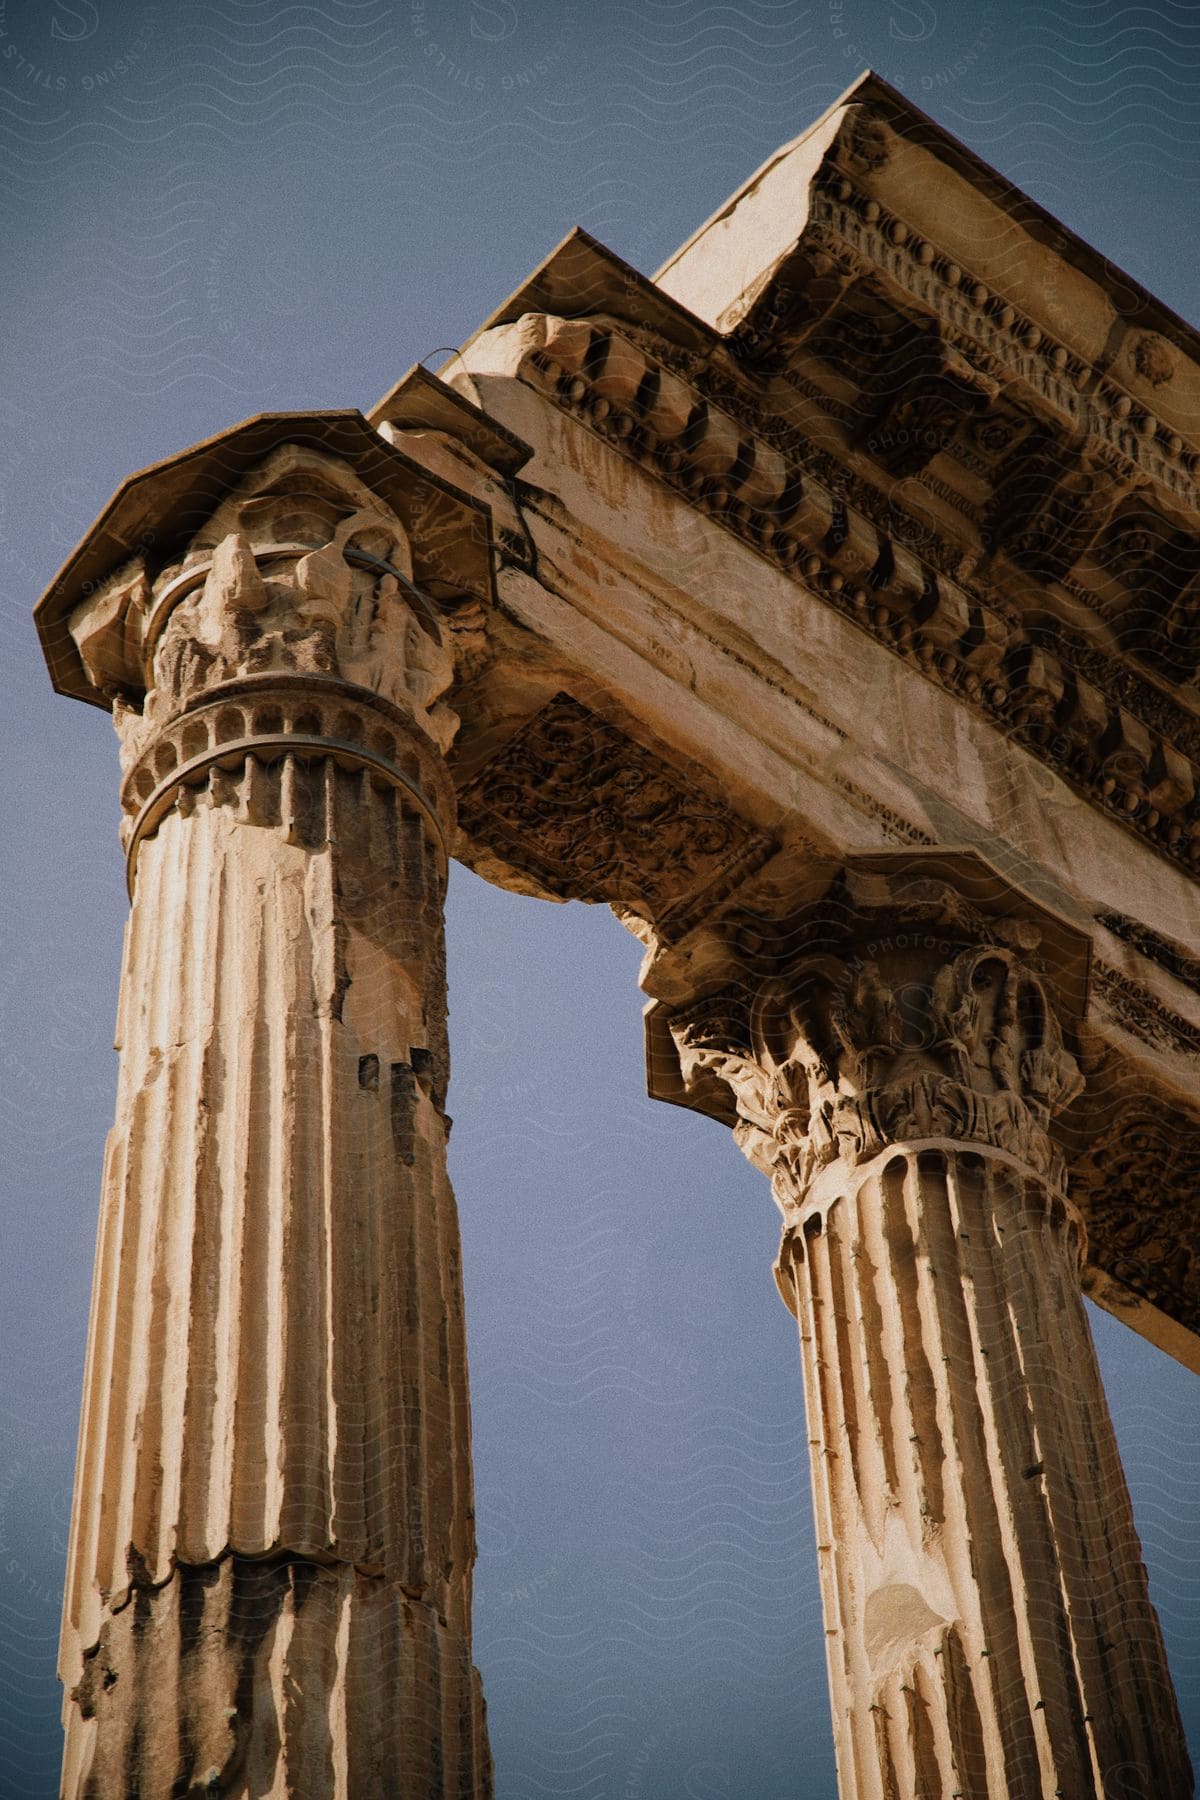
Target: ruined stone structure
[{"x": 830, "y": 606}]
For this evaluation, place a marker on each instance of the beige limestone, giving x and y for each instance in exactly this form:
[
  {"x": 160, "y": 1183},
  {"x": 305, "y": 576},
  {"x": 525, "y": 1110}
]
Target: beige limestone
[
  {"x": 862, "y": 547},
  {"x": 269, "y": 1582},
  {"x": 724, "y": 266},
  {"x": 988, "y": 1627},
  {"x": 812, "y": 577}
]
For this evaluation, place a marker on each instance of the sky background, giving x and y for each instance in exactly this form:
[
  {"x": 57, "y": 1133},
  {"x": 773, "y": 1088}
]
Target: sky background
[{"x": 210, "y": 210}]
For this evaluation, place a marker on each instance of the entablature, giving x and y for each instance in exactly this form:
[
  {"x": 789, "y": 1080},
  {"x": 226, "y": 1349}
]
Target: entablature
[
  {"x": 865, "y": 553},
  {"x": 992, "y": 501},
  {"x": 751, "y": 582}
]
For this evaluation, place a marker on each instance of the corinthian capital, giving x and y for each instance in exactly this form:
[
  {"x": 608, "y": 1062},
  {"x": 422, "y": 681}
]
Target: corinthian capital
[
  {"x": 908, "y": 1014},
  {"x": 295, "y": 542},
  {"x": 301, "y": 570},
  {"x": 295, "y": 591}
]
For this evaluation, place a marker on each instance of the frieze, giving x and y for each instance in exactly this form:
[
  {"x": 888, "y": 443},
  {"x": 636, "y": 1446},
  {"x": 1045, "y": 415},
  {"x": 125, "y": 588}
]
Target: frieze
[
  {"x": 1161, "y": 950},
  {"x": 894, "y": 824},
  {"x": 1141, "y": 1014},
  {"x": 592, "y": 815}
]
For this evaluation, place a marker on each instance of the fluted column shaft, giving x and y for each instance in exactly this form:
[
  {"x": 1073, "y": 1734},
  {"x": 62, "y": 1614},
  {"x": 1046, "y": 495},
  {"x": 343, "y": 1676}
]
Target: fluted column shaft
[
  {"x": 270, "y": 1570},
  {"x": 988, "y": 1625}
]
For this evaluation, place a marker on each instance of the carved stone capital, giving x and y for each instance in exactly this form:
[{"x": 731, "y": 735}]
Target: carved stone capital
[
  {"x": 276, "y": 619},
  {"x": 301, "y": 570},
  {"x": 288, "y": 627},
  {"x": 906, "y": 1015}
]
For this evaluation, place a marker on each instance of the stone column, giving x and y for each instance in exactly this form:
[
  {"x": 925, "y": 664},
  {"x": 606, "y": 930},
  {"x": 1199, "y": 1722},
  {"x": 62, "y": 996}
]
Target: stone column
[
  {"x": 988, "y": 1626},
  {"x": 270, "y": 1567}
]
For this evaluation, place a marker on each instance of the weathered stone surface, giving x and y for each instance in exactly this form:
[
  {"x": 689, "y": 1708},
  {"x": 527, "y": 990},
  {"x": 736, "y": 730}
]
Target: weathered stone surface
[
  {"x": 575, "y": 802},
  {"x": 985, "y": 1599},
  {"x": 865, "y": 536},
  {"x": 862, "y": 654},
  {"x": 897, "y": 1074},
  {"x": 269, "y": 1584},
  {"x": 281, "y": 1676}
]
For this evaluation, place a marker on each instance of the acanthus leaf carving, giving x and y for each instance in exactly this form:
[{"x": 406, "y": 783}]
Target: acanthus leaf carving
[
  {"x": 301, "y": 571},
  {"x": 839, "y": 1060}
]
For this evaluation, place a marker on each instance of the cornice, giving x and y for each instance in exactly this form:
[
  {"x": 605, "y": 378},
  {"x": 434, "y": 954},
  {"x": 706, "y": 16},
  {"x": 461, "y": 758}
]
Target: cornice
[
  {"x": 859, "y": 129},
  {"x": 1111, "y": 733},
  {"x": 1000, "y": 338},
  {"x": 1142, "y": 1014}
]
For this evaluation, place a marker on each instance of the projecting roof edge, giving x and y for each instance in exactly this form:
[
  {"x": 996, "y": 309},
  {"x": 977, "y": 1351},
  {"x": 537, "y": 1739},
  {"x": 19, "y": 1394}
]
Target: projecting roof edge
[
  {"x": 581, "y": 278},
  {"x": 1130, "y": 298}
]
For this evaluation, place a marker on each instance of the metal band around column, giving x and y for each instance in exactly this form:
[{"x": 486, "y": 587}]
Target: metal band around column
[{"x": 160, "y": 801}]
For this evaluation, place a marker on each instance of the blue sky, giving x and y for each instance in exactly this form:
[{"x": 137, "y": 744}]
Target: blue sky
[{"x": 241, "y": 205}]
